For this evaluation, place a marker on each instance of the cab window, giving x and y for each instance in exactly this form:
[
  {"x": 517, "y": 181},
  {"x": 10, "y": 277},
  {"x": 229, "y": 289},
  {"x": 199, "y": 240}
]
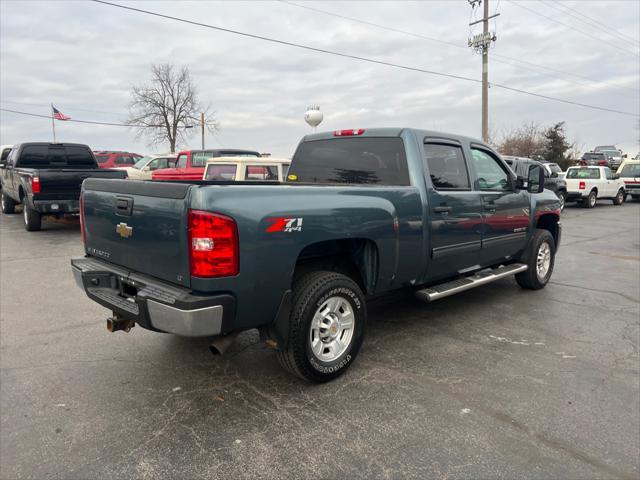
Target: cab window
[
  {"x": 261, "y": 172},
  {"x": 490, "y": 172},
  {"x": 608, "y": 174},
  {"x": 181, "y": 162},
  {"x": 219, "y": 171}
]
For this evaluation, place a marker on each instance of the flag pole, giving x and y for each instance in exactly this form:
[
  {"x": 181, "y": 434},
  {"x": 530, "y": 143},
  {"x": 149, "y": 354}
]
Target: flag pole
[{"x": 53, "y": 125}]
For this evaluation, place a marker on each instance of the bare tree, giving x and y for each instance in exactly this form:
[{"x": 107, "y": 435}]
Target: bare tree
[
  {"x": 524, "y": 141},
  {"x": 164, "y": 109}
]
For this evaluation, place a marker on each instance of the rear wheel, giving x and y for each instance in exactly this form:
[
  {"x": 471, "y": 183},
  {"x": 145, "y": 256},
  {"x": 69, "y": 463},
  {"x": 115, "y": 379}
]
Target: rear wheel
[
  {"x": 32, "y": 218},
  {"x": 540, "y": 258},
  {"x": 591, "y": 200},
  {"x": 326, "y": 326},
  {"x": 8, "y": 205},
  {"x": 619, "y": 198}
]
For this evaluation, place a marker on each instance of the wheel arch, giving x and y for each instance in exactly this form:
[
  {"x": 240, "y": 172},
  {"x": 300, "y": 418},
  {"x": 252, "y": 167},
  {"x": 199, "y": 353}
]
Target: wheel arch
[{"x": 550, "y": 222}]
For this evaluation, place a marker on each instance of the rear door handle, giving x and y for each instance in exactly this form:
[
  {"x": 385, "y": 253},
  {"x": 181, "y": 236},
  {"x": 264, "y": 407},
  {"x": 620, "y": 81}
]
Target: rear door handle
[{"x": 442, "y": 209}]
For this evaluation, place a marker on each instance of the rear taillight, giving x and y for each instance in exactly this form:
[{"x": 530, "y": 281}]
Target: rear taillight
[
  {"x": 582, "y": 186},
  {"x": 35, "y": 184},
  {"x": 348, "y": 133},
  {"x": 213, "y": 245},
  {"x": 84, "y": 235}
]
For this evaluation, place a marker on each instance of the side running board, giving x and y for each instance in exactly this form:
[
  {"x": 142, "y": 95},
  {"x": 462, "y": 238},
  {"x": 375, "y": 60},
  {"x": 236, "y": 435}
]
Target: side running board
[{"x": 483, "y": 277}]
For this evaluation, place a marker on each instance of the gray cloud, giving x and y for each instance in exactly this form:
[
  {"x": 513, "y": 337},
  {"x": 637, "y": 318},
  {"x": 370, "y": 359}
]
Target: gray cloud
[{"x": 85, "y": 56}]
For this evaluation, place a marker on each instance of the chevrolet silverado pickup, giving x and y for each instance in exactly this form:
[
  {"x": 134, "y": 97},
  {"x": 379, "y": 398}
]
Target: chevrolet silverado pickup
[
  {"x": 46, "y": 178},
  {"x": 363, "y": 213}
]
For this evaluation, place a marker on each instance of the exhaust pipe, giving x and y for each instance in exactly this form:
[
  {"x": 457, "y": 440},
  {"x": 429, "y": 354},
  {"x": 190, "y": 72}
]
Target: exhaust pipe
[
  {"x": 220, "y": 344},
  {"x": 116, "y": 323}
]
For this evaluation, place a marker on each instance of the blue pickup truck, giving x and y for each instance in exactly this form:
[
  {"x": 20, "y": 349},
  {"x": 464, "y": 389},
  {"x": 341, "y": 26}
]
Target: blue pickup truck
[{"x": 363, "y": 212}]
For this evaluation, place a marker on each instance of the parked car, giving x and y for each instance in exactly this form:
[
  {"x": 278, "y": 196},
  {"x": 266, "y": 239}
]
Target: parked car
[
  {"x": 594, "y": 159},
  {"x": 521, "y": 165},
  {"x": 116, "y": 159},
  {"x": 629, "y": 172},
  {"x": 5, "y": 150},
  {"x": 247, "y": 168},
  {"x": 144, "y": 167},
  {"x": 46, "y": 178},
  {"x": 364, "y": 212},
  {"x": 554, "y": 168},
  {"x": 587, "y": 185},
  {"x": 190, "y": 164}
]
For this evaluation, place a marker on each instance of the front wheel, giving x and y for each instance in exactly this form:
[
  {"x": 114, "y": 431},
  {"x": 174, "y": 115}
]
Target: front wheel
[
  {"x": 540, "y": 258},
  {"x": 32, "y": 218},
  {"x": 8, "y": 205},
  {"x": 562, "y": 196},
  {"x": 619, "y": 198},
  {"x": 326, "y": 326}
]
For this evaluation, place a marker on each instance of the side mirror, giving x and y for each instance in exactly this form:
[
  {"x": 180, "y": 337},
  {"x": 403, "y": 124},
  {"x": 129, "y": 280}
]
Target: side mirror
[
  {"x": 624, "y": 155},
  {"x": 616, "y": 176},
  {"x": 521, "y": 183},
  {"x": 3, "y": 164},
  {"x": 536, "y": 179}
]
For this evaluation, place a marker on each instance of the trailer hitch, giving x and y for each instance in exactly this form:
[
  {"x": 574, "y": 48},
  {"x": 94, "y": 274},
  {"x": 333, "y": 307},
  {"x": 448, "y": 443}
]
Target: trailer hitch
[{"x": 116, "y": 323}]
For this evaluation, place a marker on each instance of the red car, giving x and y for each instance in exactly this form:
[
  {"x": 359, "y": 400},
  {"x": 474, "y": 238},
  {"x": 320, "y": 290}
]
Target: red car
[
  {"x": 115, "y": 159},
  {"x": 190, "y": 164}
]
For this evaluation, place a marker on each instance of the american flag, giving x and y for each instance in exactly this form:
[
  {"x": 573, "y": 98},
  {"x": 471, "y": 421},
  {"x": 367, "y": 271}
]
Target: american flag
[{"x": 58, "y": 115}]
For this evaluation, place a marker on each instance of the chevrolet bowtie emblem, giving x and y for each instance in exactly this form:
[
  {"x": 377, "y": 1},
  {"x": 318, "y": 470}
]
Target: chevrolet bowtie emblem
[{"x": 124, "y": 230}]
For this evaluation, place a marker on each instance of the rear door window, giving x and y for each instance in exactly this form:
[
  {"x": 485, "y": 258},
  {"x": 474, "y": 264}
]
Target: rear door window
[
  {"x": 447, "y": 167},
  {"x": 351, "y": 160}
]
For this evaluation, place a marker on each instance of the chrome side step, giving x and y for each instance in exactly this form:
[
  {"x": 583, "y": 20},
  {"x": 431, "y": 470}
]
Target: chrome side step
[{"x": 483, "y": 277}]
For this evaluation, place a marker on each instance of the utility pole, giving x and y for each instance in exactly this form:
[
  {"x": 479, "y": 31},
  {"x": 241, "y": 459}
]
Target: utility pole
[
  {"x": 202, "y": 128},
  {"x": 480, "y": 44}
]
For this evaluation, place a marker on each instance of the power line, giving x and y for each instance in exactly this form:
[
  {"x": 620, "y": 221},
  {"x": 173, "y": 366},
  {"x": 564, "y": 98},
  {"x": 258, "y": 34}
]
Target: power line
[
  {"x": 80, "y": 121},
  {"x": 599, "y": 23},
  {"x": 590, "y": 23},
  {"x": 356, "y": 57},
  {"x": 586, "y": 34},
  {"x": 49, "y": 106},
  {"x": 505, "y": 59}
]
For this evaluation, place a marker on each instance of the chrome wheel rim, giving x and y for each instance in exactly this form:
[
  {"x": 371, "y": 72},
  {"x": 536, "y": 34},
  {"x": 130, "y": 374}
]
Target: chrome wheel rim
[
  {"x": 620, "y": 197},
  {"x": 561, "y": 202},
  {"x": 331, "y": 329},
  {"x": 592, "y": 200},
  {"x": 543, "y": 260},
  {"x": 24, "y": 214},
  {"x": 2, "y": 201}
]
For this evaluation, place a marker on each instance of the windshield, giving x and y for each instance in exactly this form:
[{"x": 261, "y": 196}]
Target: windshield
[
  {"x": 593, "y": 156},
  {"x": 588, "y": 173},
  {"x": 630, "y": 170},
  {"x": 611, "y": 153},
  {"x": 139, "y": 165},
  {"x": 102, "y": 158}
]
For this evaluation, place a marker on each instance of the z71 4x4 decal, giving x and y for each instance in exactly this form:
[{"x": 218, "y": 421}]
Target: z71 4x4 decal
[{"x": 285, "y": 224}]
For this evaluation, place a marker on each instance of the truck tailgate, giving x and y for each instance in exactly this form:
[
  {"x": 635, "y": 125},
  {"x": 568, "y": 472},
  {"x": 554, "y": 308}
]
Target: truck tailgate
[
  {"x": 65, "y": 183},
  {"x": 139, "y": 225}
]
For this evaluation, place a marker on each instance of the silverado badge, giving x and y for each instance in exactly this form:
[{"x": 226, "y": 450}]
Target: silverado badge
[{"x": 124, "y": 230}]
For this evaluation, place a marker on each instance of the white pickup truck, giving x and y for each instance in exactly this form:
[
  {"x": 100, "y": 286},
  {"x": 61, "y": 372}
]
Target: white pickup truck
[
  {"x": 587, "y": 185},
  {"x": 247, "y": 169}
]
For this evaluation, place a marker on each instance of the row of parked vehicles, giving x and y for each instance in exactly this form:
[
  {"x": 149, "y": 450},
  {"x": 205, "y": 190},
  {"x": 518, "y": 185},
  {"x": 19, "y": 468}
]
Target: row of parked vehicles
[{"x": 363, "y": 212}]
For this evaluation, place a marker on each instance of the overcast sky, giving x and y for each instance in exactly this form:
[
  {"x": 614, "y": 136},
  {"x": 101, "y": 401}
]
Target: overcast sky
[{"x": 84, "y": 57}]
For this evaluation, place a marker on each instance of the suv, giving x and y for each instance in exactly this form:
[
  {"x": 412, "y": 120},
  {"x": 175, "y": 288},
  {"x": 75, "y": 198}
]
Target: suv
[
  {"x": 630, "y": 173},
  {"x": 521, "y": 166},
  {"x": 116, "y": 159}
]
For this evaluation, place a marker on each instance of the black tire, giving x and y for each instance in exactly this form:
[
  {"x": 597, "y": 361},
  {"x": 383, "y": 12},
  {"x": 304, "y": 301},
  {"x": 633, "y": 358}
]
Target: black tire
[
  {"x": 530, "y": 279},
  {"x": 310, "y": 294},
  {"x": 32, "y": 218},
  {"x": 8, "y": 205},
  {"x": 562, "y": 196},
  {"x": 619, "y": 198},
  {"x": 591, "y": 200}
]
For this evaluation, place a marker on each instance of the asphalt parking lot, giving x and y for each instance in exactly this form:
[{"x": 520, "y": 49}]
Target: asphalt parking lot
[{"x": 495, "y": 382}]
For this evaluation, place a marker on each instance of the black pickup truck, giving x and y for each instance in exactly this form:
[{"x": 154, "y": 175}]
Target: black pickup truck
[{"x": 46, "y": 179}]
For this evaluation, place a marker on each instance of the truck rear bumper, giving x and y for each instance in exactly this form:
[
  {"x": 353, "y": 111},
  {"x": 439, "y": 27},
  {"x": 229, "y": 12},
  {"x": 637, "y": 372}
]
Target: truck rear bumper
[
  {"x": 152, "y": 304},
  {"x": 573, "y": 196},
  {"x": 50, "y": 207}
]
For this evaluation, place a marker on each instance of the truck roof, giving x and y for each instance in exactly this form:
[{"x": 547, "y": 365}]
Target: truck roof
[{"x": 389, "y": 132}]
